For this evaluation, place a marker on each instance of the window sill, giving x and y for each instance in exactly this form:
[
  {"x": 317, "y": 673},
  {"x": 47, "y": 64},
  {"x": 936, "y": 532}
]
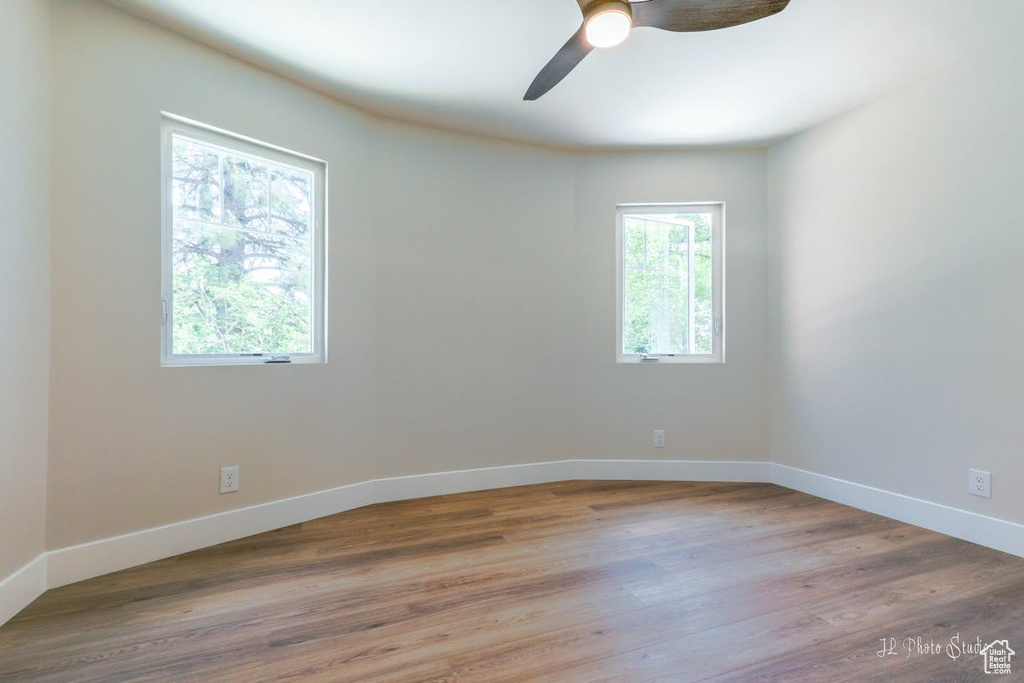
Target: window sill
[
  {"x": 670, "y": 360},
  {"x": 233, "y": 361}
]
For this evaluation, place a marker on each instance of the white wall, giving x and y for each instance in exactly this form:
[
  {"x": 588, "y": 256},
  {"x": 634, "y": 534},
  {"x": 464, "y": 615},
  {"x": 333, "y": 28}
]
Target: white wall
[
  {"x": 134, "y": 445},
  {"x": 474, "y": 265},
  {"x": 709, "y": 412},
  {"x": 900, "y": 327},
  {"x": 24, "y": 280},
  {"x": 471, "y": 300}
]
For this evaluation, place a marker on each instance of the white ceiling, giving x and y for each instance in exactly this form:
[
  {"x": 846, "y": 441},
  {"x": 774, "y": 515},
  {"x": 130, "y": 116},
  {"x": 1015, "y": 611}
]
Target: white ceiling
[{"x": 465, "y": 64}]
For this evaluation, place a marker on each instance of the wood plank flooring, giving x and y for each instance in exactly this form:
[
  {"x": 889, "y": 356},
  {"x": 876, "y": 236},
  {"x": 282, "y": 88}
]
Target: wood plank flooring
[{"x": 574, "y": 582}]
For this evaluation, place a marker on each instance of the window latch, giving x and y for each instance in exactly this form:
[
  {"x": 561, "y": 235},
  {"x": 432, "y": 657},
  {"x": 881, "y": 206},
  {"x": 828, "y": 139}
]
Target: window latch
[
  {"x": 279, "y": 358},
  {"x": 644, "y": 358},
  {"x": 163, "y": 311},
  {"x": 718, "y": 326}
]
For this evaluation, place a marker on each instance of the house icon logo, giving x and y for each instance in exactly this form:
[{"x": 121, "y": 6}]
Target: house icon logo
[{"x": 997, "y": 656}]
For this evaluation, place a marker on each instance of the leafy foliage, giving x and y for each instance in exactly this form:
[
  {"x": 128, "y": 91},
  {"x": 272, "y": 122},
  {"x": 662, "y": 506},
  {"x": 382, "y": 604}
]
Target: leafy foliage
[
  {"x": 242, "y": 260},
  {"x": 656, "y": 284}
]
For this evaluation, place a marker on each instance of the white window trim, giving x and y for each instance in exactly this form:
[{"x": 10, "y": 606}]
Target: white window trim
[
  {"x": 717, "y": 210},
  {"x": 244, "y": 146}
]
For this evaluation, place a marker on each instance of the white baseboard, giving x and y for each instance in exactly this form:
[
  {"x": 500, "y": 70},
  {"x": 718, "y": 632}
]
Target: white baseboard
[
  {"x": 963, "y": 524},
  {"x": 87, "y": 560},
  {"x": 22, "y": 587},
  {"x": 75, "y": 563}
]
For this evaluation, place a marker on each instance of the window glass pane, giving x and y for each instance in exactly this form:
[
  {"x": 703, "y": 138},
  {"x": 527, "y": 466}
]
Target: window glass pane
[
  {"x": 290, "y": 202},
  {"x": 667, "y": 308},
  {"x": 246, "y": 193},
  {"x": 236, "y": 291},
  {"x": 702, "y": 265},
  {"x": 242, "y": 253},
  {"x": 196, "y": 180}
]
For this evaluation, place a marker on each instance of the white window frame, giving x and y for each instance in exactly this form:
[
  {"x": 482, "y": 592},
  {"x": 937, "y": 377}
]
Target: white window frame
[
  {"x": 717, "y": 211},
  {"x": 249, "y": 147}
]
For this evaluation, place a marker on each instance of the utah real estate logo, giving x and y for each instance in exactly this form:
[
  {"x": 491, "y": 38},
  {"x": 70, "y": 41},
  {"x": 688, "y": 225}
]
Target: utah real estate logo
[{"x": 997, "y": 656}]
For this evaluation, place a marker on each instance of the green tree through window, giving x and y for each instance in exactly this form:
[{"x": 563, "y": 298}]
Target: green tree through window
[
  {"x": 242, "y": 253},
  {"x": 667, "y": 284}
]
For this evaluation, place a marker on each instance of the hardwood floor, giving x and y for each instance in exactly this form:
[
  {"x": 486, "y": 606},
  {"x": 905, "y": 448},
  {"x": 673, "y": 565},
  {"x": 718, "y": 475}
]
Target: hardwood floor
[{"x": 568, "y": 582}]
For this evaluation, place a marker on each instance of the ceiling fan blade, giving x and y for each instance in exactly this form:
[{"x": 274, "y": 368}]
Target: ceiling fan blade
[
  {"x": 571, "y": 54},
  {"x": 703, "y": 15}
]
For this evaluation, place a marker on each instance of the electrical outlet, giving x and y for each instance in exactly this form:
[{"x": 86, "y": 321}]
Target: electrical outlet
[
  {"x": 659, "y": 438},
  {"x": 228, "y": 479},
  {"x": 979, "y": 483}
]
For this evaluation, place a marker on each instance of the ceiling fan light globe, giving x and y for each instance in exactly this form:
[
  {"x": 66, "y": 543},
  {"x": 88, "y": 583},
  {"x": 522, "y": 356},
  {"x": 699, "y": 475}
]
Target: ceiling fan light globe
[{"x": 608, "y": 27}]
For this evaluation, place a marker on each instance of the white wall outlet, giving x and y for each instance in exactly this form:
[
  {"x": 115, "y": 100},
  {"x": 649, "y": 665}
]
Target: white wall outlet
[
  {"x": 659, "y": 438},
  {"x": 228, "y": 479},
  {"x": 979, "y": 483}
]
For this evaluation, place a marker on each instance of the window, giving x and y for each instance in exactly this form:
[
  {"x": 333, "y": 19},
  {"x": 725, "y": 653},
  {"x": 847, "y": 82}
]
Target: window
[
  {"x": 243, "y": 250},
  {"x": 670, "y": 283}
]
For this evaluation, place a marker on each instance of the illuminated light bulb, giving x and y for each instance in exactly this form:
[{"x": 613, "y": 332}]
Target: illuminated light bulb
[{"x": 608, "y": 27}]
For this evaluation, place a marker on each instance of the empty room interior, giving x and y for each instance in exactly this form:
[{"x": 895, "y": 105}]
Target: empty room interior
[{"x": 492, "y": 342}]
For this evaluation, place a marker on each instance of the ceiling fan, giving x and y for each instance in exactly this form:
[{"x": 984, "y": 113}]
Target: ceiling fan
[{"x": 606, "y": 23}]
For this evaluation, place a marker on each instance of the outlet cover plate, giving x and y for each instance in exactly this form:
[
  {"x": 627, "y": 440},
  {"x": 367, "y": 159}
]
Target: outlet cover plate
[
  {"x": 979, "y": 483},
  {"x": 229, "y": 479},
  {"x": 659, "y": 438}
]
